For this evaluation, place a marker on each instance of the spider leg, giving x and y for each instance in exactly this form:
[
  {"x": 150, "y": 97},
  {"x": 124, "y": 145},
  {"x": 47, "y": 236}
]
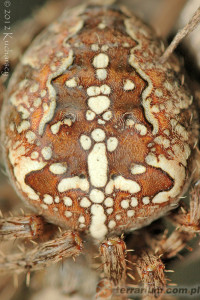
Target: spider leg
[
  {"x": 150, "y": 269},
  {"x": 113, "y": 255},
  {"x": 26, "y": 227},
  {"x": 187, "y": 222},
  {"x": 68, "y": 244}
]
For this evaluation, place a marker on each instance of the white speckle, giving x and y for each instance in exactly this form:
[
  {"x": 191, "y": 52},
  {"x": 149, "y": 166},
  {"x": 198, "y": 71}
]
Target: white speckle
[
  {"x": 150, "y": 145},
  {"x": 53, "y": 68},
  {"x": 34, "y": 155},
  {"x": 34, "y": 88},
  {"x": 168, "y": 86},
  {"x": 67, "y": 201},
  {"x": 67, "y": 121},
  {"x": 95, "y": 47},
  {"x": 90, "y": 115},
  {"x": 99, "y": 104},
  {"x": 145, "y": 200},
  {"x": 98, "y": 165},
  {"x": 57, "y": 199},
  {"x": 47, "y": 153},
  {"x": 125, "y": 204},
  {"x": 107, "y": 115},
  {"x": 98, "y": 229},
  {"x": 81, "y": 219},
  {"x": 23, "y": 126},
  {"x": 25, "y": 113},
  {"x": 145, "y": 54},
  {"x": 130, "y": 123},
  {"x": 59, "y": 54},
  {"x": 82, "y": 225},
  {"x": 141, "y": 128},
  {"x": 111, "y": 224},
  {"x": 30, "y": 136},
  {"x": 155, "y": 109},
  {"x": 129, "y": 85},
  {"x": 101, "y": 74},
  {"x": 58, "y": 168},
  {"x": 96, "y": 196},
  {"x": 44, "y": 206},
  {"x": 112, "y": 144},
  {"x": 68, "y": 214},
  {"x": 158, "y": 93},
  {"x": 73, "y": 183},
  {"x": 109, "y": 211},
  {"x": 162, "y": 106},
  {"x": 56, "y": 127},
  {"x": 118, "y": 217},
  {"x": 167, "y": 132},
  {"x": 162, "y": 141},
  {"x": 102, "y": 26},
  {"x": 122, "y": 184},
  {"x": 130, "y": 213},
  {"x": 138, "y": 169},
  {"x": 43, "y": 93},
  {"x": 85, "y": 142},
  {"x": 134, "y": 202},
  {"x": 55, "y": 209},
  {"x": 37, "y": 102},
  {"x": 105, "y": 89},
  {"x": 104, "y": 48},
  {"x": 126, "y": 45},
  {"x": 101, "y": 60},
  {"x": 93, "y": 91},
  {"x": 85, "y": 202},
  {"x": 48, "y": 199},
  {"x": 108, "y": 202},
  {"x": 98, "y": 135},
  {"x": 12, "y": 126},
  {"x": 101, "y": 122}
]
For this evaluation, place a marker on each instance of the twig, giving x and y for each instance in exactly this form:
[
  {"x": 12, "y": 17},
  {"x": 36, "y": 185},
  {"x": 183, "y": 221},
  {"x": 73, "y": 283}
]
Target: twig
[{"x": 180, "y": 35}]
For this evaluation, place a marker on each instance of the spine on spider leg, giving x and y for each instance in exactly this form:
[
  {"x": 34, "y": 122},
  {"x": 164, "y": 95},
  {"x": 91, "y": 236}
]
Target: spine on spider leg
[
  {"x": 30, "y": 227},
  {"x": 151, "y": 271},
  {"x": 68, "y": 245}
]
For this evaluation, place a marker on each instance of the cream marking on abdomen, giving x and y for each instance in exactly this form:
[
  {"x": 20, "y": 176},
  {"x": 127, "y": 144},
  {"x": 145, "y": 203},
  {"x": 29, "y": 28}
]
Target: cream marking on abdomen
[{"x": 98, "y": 165}]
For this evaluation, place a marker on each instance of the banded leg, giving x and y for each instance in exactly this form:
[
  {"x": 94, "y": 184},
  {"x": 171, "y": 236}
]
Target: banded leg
[
  {"x": 28, "y": 227},
  {"x": 68, "y": 244},
  {"x": 188, "y": 225},
  {"x": 113, "y": 255},
  {"x": 151, "y": 271}
]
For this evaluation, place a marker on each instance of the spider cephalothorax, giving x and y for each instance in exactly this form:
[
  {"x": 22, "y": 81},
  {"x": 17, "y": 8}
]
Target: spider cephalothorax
[{"x": 98, "y": 135}]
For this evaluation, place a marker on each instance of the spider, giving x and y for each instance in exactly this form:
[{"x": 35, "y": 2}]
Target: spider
[{"x": 100, "y": 139}]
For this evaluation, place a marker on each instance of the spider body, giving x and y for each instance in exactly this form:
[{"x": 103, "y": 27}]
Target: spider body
[
  {"x": 98, "y": 136},
  {"x": 97, "y": 131}
]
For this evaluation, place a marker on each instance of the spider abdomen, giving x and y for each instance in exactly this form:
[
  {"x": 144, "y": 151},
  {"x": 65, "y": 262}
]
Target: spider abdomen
[{"x": 97, "y": 132}]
